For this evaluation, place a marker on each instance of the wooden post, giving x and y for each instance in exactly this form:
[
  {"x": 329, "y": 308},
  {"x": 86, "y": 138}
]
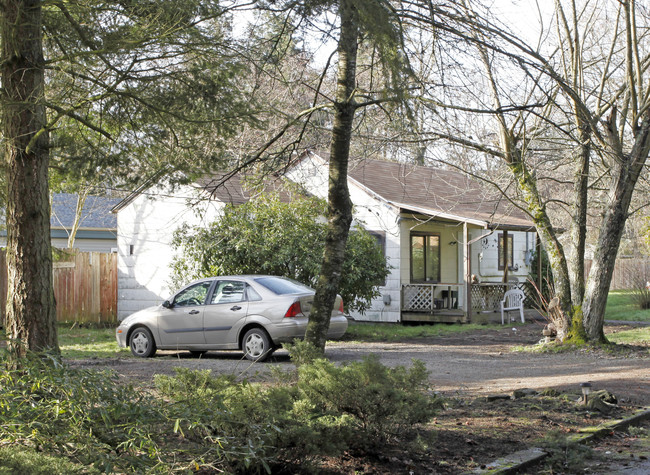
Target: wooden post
[
  {"x": 538, "y": 248},
  {"x": 505, "y": 256},
  {"x": 467, "y": 262}
]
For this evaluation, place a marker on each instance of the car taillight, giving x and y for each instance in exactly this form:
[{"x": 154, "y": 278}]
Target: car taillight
[
  {"x": 294, "y": 310},
  {"x": 341, "y": 307}
]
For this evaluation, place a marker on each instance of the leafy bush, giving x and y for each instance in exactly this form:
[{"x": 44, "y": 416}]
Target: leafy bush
[
  {"x": 91, "y": 420},
  {"x": 380, "y": 402},
  {"x": 61, "y": 420},
  {"x": 268, "y": 236},
  {"x": 82, "y": 415},
  {"x": 329, "y": 409}
]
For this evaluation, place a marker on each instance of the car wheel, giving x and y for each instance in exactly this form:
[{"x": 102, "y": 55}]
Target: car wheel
[
  {"x": 197, "y": 353},
  {"x": 257, "y": 345},
  {"x": 142, "y": 343}
]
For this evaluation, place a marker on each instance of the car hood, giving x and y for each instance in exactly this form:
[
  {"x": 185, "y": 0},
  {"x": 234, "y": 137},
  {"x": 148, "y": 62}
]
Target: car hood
[{"x": 140, "y": 314}]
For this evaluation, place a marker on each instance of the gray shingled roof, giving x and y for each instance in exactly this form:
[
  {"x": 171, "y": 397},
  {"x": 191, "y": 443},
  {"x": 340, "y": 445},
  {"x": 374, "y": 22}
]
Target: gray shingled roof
[
  {"x": 233, "y": 190},
  {"x": 431, "y": 191},
  {"x": 96, "y": 213},
  {"x": 436, "y": 191}
]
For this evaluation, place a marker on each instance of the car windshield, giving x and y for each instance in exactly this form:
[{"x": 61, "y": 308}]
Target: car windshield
[{"x": 281, "y": 285}]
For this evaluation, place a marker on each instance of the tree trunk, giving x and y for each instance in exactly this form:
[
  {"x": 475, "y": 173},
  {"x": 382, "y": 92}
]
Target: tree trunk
[
  {"x": 579, "y": 217},
  {"x": 548, "y": 239},
  {"x": 31, "y": 314},
  {"x": 78, "y": 214},
  {"x": 625, "y": 174},
  {"x": 339, "y": 209}
]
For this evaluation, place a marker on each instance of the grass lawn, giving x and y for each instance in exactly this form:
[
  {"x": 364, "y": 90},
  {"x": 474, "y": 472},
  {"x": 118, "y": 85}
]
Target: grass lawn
[
  {"x": 635, "y": 336},
  {"x": 621, "y": 306},
  {"x": 358, "y": 331},
  {"x": 76, "y": 342}
]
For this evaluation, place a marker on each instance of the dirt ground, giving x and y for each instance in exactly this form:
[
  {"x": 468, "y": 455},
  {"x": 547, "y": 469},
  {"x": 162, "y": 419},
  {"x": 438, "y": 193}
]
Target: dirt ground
[
  {"x": 475, "y": 363},
  {"x": 472, "y": 431}
]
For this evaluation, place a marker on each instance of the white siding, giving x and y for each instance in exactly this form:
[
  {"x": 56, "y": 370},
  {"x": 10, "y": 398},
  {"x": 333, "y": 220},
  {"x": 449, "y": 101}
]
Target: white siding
[
  {"x": 375, "y": 215},
  {"x": 485, "y": 255},
  {"x": 145, "y": 231}
]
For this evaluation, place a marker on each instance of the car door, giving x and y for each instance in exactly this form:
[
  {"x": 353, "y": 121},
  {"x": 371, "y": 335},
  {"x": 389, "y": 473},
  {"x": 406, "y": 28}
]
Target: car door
[
  {"x": 225, "y": 313},
  {"x": 181, "y": 324}
]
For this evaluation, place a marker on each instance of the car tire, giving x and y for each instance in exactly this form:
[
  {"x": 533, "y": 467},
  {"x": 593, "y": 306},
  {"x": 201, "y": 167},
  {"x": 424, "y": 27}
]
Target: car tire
[
  {"x": 142, "y": 343},
  {"x": 257, "y": 345}
]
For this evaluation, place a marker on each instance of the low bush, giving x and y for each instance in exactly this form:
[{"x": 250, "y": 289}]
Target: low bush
[
  {"x": 327, "y": 410},
  {"x": 89, "y": 419},
  {"x": 84, "y": 416},
  {"x": 641, "y": 297},
  {"x": 61, "y": 420},
  {"x": 378, "y": 402}
]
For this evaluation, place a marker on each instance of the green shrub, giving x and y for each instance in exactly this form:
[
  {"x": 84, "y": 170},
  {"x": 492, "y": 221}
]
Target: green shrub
[
  {"x": 80, "y": 414},
  {"x": 303, "y": 352},
  {"x": 65, "y": 421},
  {"x": 267, "y": 236},
  {"x": 92, "y": 420},
  {"x": 379, "y": 402},
  {"x": 328, "y": 409}
]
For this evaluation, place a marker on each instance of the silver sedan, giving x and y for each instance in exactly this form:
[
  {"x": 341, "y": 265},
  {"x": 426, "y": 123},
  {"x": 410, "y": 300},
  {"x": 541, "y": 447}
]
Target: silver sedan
[{"x": 254, "y": 313}]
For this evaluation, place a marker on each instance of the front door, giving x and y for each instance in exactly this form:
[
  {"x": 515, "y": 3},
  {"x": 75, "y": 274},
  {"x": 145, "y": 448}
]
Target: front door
[{"x": 182, "y": 324}]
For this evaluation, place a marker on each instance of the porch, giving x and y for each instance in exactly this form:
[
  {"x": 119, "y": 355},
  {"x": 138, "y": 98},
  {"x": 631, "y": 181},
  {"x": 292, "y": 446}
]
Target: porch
[{"x": 445, "y": 302}]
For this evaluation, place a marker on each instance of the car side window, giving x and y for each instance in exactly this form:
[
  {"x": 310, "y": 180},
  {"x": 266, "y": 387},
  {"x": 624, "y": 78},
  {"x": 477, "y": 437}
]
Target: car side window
[
  {"x": 252, "y": 294},
  {"x": 193, "y": 295},
  {"x": 228, "y": 291}
]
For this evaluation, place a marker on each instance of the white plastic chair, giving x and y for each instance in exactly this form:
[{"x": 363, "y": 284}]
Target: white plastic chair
[{"x": 513, "y": 300}]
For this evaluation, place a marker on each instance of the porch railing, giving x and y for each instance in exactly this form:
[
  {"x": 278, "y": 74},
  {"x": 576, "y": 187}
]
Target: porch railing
[
  {"x": 486, "y": 296},
  {"x": 440, "y": 297},
  {"x": 431, "y": 297}
]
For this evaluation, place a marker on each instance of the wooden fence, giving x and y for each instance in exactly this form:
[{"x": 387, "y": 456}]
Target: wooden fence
[
  {"x": 629, "y": 273},
  {"x": 85, "y": 287}
]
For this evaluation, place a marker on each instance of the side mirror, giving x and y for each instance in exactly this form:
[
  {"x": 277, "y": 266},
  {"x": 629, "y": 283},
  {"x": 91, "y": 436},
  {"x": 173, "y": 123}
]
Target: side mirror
[{"x": 167, "y": 304}]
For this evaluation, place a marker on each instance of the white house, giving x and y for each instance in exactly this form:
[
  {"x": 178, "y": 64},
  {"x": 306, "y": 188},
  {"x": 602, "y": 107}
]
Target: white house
[{"x": 437, "y": 228}]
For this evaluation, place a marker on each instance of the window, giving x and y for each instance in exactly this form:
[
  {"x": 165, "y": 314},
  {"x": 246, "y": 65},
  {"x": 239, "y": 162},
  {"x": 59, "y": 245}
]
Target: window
[
  {"x": 380, "y": 237},
  {"x": 425, "y": 257},
  {"x": 193, "y": 295},
  {"x": 282, "y": 285},
  {"x": 228, "y": 291},
  {"x": 510, "y": 252}
]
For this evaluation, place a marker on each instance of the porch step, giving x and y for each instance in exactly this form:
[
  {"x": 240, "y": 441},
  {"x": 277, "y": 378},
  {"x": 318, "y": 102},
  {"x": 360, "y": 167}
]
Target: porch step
[{"x": 443, "y": 317}]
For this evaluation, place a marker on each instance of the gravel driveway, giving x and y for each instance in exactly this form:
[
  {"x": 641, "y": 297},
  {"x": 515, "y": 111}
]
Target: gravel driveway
[{"x": 480, "y": 362}]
